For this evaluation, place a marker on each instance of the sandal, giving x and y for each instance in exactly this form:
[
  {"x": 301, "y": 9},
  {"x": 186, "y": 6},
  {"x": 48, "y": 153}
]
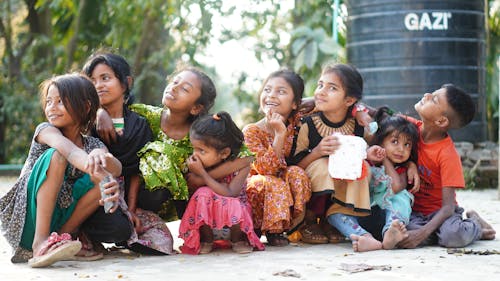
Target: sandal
[
  {"x": 276, "y": 239},
  {"x": 312, "y": 234},
  {"x": 89, "y": 251},
  {"x": 241, "y": 247},
  {"x": 333, "y": 235},
  {"x": 206, "y": 247},
  {"x": 55, "y": 248}
]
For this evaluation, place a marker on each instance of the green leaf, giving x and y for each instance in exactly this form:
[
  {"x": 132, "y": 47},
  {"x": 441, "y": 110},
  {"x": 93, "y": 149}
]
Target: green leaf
[
  {"x": 311, "y": 54},
  {"x": 301, "y": 31},
  {"x": 318, "y": 34},
  {"x": 298, "y": 44},
  {"x": 299, "y": 61},
  {"x": 329, "y": 47}
]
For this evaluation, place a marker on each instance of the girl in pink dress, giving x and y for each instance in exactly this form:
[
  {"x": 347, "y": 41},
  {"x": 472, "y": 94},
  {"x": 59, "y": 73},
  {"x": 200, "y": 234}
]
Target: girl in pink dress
[{"x": 219, "y": 210}]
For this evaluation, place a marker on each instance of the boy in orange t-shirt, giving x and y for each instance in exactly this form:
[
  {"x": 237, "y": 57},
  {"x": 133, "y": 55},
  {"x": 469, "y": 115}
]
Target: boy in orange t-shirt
[{"x": 436, "y": 217}]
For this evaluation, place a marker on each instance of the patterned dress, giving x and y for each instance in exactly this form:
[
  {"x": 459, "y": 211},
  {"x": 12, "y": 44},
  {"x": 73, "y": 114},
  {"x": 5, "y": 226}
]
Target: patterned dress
[
  {"x": 277, "y": 192},
  {"x": 396, "y": 206},
  {"x": 135, "y": 134},
  {"x": 163, "y": 160},
  {"x": 348, "y": 197},
  {"x": 217, "y": 211},
  {"x": 18, "y": 206}
]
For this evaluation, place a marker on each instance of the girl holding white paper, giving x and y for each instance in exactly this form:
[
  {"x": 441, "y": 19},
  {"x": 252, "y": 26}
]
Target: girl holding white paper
[{"x": 341, "y": 201}]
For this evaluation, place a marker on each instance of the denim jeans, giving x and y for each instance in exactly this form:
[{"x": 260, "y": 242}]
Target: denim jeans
[{"x": 346, "y": 224}]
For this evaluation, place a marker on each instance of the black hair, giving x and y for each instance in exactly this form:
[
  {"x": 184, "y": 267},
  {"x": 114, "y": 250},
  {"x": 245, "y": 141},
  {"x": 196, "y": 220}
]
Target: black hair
[
  {"x": 207, "y": 89},
  {"x": 352, "y": 81},
  {"x": 389, "y": 124},
  {"x": 218, "y": 131},
  {"x": 294, "y": 81},
  {"x": 77, "y": 93},
  {"x": 462, "y": 105},
  {"x": 118, "y": 64}
]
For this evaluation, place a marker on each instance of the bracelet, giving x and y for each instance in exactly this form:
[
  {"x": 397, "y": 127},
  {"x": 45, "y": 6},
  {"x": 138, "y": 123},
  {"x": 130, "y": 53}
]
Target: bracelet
[{"x": 360, "y": 107}]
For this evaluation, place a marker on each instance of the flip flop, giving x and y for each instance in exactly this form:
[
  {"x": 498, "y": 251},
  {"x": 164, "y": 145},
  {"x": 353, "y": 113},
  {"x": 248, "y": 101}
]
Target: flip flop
[
  {"x": 89, "y": 251},
  {"x": 87, "y": 255},
  {"x": 56, "y": 248}
]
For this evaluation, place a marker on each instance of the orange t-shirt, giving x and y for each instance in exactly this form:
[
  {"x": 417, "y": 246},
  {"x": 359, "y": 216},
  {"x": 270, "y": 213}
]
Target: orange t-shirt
[{"x": 438, "y": 165}]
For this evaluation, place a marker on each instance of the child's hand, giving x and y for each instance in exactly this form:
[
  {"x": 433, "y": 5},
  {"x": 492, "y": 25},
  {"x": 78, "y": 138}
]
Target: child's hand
[
  {"x": 328, "y": 145},
  {"x": 97, "y": 158},
  {"x": 111, "y": 188},
  {"x": 137, "y": 223},
  {"x": 276, "y": 121},
  {"x": 375, "y": 153},
  {"x": 194, "y": 181},
  {"x": 363, "y": 118},
  {"x": 195, "y": 165},
  {"x": 413, "y": 177}
]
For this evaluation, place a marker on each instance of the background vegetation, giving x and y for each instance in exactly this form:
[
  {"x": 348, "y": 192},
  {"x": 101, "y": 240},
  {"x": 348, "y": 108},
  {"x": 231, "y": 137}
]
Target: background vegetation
[{"x": 40, "y": 38}]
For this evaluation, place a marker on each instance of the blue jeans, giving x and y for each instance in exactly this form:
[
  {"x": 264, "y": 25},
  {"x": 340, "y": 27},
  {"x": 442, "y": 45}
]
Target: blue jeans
[{"x": 346, "y": 224}]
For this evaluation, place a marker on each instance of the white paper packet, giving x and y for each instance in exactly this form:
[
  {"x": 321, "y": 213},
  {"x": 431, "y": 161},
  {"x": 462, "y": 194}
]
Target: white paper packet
[{"x": 347, "y": 161}]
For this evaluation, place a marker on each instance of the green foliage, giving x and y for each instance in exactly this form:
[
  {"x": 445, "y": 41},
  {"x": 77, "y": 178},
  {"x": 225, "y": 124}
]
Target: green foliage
[
  {"x": 310, "y": 45},
  {"x": 492, "y": 68},
  {"x": 54, "y": 37}
]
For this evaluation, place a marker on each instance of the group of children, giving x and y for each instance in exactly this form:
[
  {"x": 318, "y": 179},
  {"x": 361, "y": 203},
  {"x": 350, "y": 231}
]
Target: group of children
[{"x": 272, "y": 178}]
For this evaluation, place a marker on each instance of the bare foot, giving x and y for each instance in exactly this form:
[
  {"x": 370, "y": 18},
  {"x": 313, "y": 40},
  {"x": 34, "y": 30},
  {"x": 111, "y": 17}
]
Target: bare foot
[
  {"x": 393, "y": 235},
  {"x": 488, "y": 233},
  {"x": 365, "y": 243}
]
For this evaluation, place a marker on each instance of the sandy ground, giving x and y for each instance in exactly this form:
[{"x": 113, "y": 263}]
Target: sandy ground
[{"x": 295, "y": 262}]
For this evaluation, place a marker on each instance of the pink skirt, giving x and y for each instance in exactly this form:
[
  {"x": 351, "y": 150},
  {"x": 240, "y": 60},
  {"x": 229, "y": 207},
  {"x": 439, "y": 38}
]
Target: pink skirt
[{"x": 216, "y": 211}]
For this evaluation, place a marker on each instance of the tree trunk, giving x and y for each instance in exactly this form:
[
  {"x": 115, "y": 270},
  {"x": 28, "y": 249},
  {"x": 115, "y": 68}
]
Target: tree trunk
[
  {"x": 153, "y": 38},
  {"x": 76, "y": 32},
  {"x": 40, "y": 25}
]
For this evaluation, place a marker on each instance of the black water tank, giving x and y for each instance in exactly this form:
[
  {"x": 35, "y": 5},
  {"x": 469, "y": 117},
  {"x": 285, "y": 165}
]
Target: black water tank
[{"x": 405, "y": 48}]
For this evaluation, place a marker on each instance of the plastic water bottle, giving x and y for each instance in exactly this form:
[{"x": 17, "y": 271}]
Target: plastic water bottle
[{"x": 108, "y": 205}]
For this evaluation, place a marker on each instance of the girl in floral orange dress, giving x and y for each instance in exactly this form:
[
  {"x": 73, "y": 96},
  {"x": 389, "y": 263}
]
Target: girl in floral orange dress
[{"x": 276, "y": 191}]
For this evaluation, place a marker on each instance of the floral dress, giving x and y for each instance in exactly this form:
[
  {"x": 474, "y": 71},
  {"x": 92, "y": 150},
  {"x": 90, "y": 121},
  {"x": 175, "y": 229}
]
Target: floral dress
[
  {"x": 277, "y": 192},
  {"x": 217, "y": 211},
  {"x": 396, "y": 205},
  {"x": 18, "y": 206},
  {"x": 163, "y": 160},
  {"x": 136, "y": 133}
]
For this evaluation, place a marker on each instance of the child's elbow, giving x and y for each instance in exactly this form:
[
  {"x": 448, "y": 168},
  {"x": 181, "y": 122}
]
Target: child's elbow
[{"x": 448, "y": 210}]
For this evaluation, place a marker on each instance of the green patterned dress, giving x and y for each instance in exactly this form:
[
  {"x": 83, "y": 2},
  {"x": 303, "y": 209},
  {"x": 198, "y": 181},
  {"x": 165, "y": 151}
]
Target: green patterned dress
[{"x": 163, "y": 160}]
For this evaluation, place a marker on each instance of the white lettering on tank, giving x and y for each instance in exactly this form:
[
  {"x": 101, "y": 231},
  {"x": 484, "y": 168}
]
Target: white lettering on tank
[{"x": 432, "y": 21}]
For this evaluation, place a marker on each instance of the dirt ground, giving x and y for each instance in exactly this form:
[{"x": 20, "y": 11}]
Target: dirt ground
[{"x": 294, "y": 262}]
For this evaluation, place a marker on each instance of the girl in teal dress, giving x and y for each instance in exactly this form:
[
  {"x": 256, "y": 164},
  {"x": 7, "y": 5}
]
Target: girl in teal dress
[
  {"x": 396, "y": 143},
  {"x": 57, "y": 188}
]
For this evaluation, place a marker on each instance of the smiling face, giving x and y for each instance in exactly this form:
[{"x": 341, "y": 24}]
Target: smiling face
[
  {"x": 397, "y": 147},
  {"x": 182, "y": 92},
  {"x": 108, "y": 86},
  {"x": 277, "y": 96},
  {"x": 55, "y": 110},
  {"x": 330, "y": 95},
  {"x": 208, "y": 155}
]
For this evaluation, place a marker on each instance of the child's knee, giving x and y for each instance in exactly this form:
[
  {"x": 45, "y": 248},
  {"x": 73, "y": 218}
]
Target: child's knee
[
  {"x": 455, "y": 239},
  {"x": 58, "y": 160}
]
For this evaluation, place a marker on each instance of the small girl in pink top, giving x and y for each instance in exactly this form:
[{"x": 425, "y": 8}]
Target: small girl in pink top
[{"x": 219, "y": 210}]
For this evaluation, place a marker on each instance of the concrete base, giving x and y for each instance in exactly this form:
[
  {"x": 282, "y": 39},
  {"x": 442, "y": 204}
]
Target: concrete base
[{"x": 299, "y": 261}]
